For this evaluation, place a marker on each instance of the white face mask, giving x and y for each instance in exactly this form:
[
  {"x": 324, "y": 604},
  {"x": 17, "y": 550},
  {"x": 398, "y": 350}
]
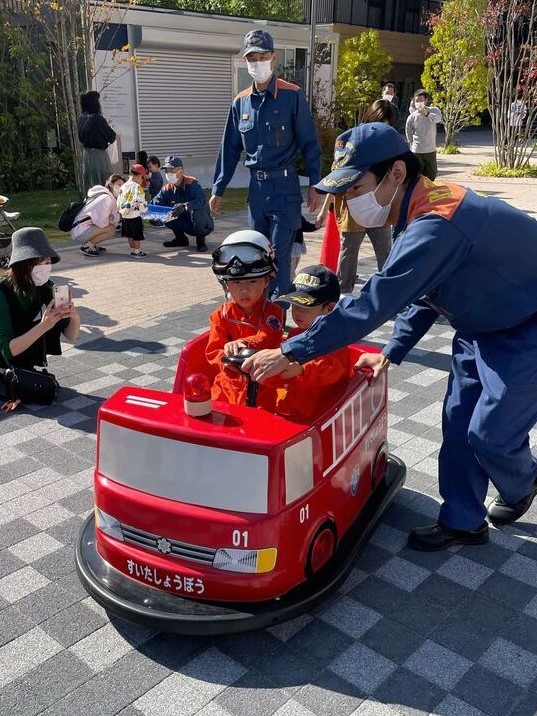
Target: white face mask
[
  {"x": 366, "y": 210},
  {"x": 419, "y": 105},
  {"x": 388, "y": 97},
  {"x": 41, "y": 274},
  {"x": 260, "y": 71},
  {"x": 115, "y": 190},
  {"x": 172, "y": 178}
]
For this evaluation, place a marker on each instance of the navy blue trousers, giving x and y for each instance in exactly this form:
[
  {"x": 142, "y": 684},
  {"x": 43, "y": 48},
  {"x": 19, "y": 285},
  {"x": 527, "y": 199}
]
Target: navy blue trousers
[
  {"x": 489, "y": 409},
  {"x": 274, "y": 210}
]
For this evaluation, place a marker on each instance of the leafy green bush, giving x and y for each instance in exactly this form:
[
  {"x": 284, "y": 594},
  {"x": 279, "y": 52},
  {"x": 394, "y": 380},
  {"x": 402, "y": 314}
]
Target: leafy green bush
[
  {"x": 491, "y": 169},
  {"x": 449, "y": 149},
  {"x": 47, "y": 171}
]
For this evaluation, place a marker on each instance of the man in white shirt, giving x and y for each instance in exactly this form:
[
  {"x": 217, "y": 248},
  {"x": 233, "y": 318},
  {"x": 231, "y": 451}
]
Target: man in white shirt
[{"x": 420, "y": 132}]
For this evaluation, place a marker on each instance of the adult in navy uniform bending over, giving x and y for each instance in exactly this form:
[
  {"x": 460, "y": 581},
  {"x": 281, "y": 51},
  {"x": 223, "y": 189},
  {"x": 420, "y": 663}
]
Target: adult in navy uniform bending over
[
  {"x": 271, "y": 122},
  {"x": 473, "y": 260}
]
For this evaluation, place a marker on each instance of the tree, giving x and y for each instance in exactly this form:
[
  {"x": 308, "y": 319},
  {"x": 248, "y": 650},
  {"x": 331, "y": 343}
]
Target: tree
[
  {"x": 284, "y": 10},
  {"x": 66, "y": 32},
  {"x": 511, "y": 35},
  {"x": 455, "y": 73},
  {"x": 362, "y": 64}
]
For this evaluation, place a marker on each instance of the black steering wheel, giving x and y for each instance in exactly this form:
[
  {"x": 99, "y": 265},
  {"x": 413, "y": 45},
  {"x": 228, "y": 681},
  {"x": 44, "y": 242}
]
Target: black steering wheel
[{"x": 236, "y": 362}]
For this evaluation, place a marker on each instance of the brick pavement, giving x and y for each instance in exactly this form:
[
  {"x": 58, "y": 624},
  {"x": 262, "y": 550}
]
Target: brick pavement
[{"x": 451, "y": 633}]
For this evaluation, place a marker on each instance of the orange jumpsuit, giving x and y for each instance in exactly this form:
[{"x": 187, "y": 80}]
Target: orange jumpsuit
[
  {"x": 262, "y": 329},
  {"x": 323, "y": 381}
]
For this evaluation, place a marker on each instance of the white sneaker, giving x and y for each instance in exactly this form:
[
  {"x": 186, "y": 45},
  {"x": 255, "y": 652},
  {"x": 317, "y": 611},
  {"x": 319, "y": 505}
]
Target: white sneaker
[
  {"x": 138, "y": 254},
  {"x": 12, "y": 215}
]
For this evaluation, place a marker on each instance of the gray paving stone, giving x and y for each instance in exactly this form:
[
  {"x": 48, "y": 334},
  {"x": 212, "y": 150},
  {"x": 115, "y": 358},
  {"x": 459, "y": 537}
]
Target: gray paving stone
[
  {"x": 521, "y": 630},
  {"x": 466, "y": 637},
  {"x": 25, "y": 653},
  {"x": 9, "y": 563},
  {"x": 329, "y": 695},
  {"x": 36, "y": 547},
  {"x": 350, "y": 617},
  {"x": 394, "y": 641},
  {"x": 24, "y": 466},
  {"x": 22, "y": 702},
  {"x": 464, "y": 571},
  {"x": 437, "y": 664},
  {"x": 409, "y": 693},
  {"x": 452, "y": 706},
  {"x": 511, "y": 661},
  {"x": 19, "y": 584},
  {"x": 254, "y": 693},
  {"x": 56, "y": 677},
  {"x": 363, "y": 667},
  {"x": 508, "y": 591},
  {"x": 73, "y": 624},
  {"x": 15, "y": 531},
  {"x": 13, "y": 624},
  {"x": 521, "y": 568},
  {"x": 45, "y": 602},
  {"x": 487, "y": 691},
  {"x": 404, "y": 574},
  {"x": 319, "y": 641}
]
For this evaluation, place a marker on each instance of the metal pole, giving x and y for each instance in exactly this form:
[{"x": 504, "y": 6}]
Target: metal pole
[{"x": 313, "y": 16}]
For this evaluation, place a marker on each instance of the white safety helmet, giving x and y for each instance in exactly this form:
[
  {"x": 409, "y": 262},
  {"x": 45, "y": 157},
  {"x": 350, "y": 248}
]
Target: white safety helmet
[{"x": 244, "y": 254}]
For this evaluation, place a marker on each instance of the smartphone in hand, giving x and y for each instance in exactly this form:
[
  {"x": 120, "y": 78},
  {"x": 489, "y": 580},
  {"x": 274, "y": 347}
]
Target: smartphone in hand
[{"x": 62, "y": 295}]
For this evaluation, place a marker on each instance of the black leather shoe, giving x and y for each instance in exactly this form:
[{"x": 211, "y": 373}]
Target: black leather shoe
[
  {"x": 503, "y": 513},
  {"x": 438, "y": 536},
  {"x": 177, "y": 241},
  {"x": 200, "y": 244}
]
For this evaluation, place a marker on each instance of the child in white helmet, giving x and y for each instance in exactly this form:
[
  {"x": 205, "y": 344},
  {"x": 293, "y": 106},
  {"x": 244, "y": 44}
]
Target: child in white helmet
[{"x": 244, "y": 264}]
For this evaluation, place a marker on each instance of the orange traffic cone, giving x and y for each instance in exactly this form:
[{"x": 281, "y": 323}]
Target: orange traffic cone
[{"x": 331, "y": 242}]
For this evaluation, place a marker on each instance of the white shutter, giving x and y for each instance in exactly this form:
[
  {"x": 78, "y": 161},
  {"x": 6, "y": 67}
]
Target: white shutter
[{"x": 183, "y": 102}]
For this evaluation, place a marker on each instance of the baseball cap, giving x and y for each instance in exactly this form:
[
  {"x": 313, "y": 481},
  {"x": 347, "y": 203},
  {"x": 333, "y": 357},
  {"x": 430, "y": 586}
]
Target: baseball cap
[
  {"x": 172, "y": 162},
  {"x": 357, "y": 150},
  {"x": 258, "y": 41},
  {"x": 140, "y": 169},
  {"x": 313, "y": 286}
]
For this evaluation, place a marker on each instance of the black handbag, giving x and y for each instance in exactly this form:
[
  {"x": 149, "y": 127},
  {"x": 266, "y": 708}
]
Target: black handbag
[{"x": 30, "y": 386}]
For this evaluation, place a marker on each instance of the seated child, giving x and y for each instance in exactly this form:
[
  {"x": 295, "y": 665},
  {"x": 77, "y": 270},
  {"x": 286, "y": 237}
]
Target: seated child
[
  {"x": 244, "y": 265},
  {"x": 310, "y": 389}
]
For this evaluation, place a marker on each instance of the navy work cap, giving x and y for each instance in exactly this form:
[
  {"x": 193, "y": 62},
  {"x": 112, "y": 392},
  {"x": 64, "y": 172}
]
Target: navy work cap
[
  {"x": 172, "y": 162},
  {"x": 313, "y": 286},
  {"x": 356, "y": 151},
  {"x": 258, "y": 41}
]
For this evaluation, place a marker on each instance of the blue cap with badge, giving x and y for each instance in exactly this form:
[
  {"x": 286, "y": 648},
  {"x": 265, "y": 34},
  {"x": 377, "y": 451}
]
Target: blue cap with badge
[
  {"x": 357, "y": 150},
  {"x": 258, "y": 41},
  {"x": 172, "y": 162}
]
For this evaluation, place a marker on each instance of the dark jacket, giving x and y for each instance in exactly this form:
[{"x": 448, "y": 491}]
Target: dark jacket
[{"x": 94, "y": 131}]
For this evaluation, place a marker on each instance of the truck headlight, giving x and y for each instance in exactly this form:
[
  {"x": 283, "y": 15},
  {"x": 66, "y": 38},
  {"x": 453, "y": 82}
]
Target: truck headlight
[
  {"x": 253, "y": 561},
  {"x": 108, "y": 524}
]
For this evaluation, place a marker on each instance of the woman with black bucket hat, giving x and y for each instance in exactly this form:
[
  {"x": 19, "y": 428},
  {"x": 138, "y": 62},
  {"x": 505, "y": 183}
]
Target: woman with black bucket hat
[{"x": 30, "y": 324}]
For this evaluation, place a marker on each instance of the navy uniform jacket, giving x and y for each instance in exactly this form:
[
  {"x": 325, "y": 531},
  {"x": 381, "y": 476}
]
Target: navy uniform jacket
[
  {"x": 470, "y": 258},
  {"x": 188, "y": 192},
  {"x": 271, "y": 126}
]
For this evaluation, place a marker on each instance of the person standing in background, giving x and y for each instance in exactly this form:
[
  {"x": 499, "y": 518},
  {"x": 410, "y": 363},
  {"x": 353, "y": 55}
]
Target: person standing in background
[
  {"x": 352, "y": 234},
  {"x": 95, "y": 135},
  {"x": 420, "y": 132},
  {"x": 272, "y": 122}
]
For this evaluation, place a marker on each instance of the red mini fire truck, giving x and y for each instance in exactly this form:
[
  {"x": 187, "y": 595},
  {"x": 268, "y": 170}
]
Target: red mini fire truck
[{"x": 234, "y": 520}]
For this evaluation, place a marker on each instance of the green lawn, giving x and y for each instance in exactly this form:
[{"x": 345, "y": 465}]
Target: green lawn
[{"x": 42, "y": 208}]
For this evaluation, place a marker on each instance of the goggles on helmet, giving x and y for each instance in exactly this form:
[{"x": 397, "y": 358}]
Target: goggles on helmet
[{"x": 242, "y": 260}]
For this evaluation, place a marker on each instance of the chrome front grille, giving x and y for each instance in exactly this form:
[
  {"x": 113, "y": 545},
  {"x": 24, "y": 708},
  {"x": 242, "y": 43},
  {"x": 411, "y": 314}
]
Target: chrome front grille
[{"x": 180, "y": 550}]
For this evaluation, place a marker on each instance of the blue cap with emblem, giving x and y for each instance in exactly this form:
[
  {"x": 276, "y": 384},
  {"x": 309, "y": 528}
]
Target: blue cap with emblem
[
  {"x": 258, "y": 41},
  {"x": 357, "y": 150},
  {"x": 172, "y": 162},
  {"x": 313, "y": 286}
]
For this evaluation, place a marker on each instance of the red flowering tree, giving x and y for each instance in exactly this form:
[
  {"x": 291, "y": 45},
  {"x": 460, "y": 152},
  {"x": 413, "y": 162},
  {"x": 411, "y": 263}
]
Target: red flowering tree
[{"x": 511, "y": 33}]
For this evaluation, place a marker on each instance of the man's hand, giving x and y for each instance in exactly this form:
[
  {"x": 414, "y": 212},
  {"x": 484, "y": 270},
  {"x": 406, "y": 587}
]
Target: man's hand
[
  {"x": 214, "y": 204},
  {"x": 179, "y": 209},
  {"x": 233, "y": 348},
  {"x": 314, "y": 199},
  {"x": 374, "y": 361},
  {"x": 265, "y": 364}
]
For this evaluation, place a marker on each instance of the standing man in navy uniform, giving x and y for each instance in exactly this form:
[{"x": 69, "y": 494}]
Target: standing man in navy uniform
[{"x": 271, "y": 122}]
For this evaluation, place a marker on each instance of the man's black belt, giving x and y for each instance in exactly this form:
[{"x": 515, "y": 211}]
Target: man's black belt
[{"x": 262, "y": 175}]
